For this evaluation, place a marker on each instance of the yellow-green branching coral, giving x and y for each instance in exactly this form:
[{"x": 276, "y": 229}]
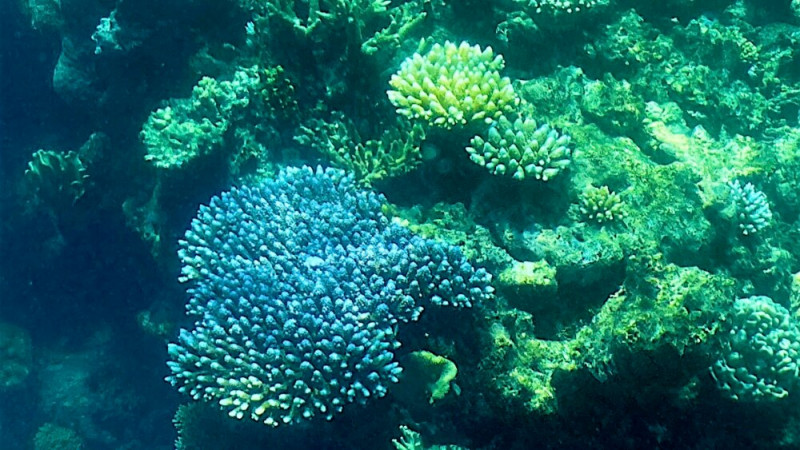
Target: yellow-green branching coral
[
  {"x": 452, "y": 86},
  {"x": 601, "y": 205},
  {"x": 521, "y": 149}
]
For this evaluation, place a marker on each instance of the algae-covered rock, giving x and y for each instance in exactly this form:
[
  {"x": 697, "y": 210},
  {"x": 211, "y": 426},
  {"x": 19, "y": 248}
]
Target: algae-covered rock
[
  {"x": 660, "y": 305},
  {"x": 16, "y": 356},
  {"x": 579, "y": 254},
  {"x": 528, "y": 278}
]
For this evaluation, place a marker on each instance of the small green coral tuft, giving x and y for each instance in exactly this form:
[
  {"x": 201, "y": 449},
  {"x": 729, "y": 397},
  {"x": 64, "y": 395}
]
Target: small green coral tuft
[
  {"x": 601, "y": 205},
  {"x": 452, "y": 86},
  {"x": 521, "y": 150}
]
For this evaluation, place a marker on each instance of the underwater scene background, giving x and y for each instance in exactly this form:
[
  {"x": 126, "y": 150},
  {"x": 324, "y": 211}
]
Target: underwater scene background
[{"x": 388, "y": 224}]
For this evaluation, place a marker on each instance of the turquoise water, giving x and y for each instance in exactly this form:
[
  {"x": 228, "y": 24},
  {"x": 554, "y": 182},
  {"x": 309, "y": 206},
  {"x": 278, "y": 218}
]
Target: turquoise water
[{"x": 513, "y": 224}]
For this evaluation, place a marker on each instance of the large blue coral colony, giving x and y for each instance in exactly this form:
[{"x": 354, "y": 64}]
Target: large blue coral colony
[{"x": 297, "y": 285}]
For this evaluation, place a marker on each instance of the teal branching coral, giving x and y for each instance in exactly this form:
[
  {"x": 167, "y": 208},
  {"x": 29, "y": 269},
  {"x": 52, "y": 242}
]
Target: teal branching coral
[
  {"x": 452, "y": 86},
  {"x": 601, "y": 205},
  {"x": 751, "y": 208},
  {"x": 521, "y": 149},
  {"x": 761, "y": 354},
  {"x": 273, "y": 268},
  {"x": 394, "y": 153}
]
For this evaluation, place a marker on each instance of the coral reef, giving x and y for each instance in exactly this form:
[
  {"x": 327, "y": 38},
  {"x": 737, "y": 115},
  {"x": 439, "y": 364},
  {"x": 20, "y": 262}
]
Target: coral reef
[
  {"x": 218, "y": 112},
  {"x": 625, "y": 174},
  {"x": 50, "y": 436},
  {"x": 56, "y": 179}
]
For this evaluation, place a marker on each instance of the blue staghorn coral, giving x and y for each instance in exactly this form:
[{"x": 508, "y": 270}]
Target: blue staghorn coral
[{"x": 296, "y": 286}]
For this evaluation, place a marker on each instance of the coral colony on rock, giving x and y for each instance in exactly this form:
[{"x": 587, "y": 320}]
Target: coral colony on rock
[
  {"x": 400, "y": 224},
  {"x": 298, "y": 286}
]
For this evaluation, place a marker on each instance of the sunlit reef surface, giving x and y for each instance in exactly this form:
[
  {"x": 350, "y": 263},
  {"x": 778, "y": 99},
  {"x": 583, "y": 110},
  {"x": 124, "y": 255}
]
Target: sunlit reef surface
[{"x": 387, "y": 224}]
